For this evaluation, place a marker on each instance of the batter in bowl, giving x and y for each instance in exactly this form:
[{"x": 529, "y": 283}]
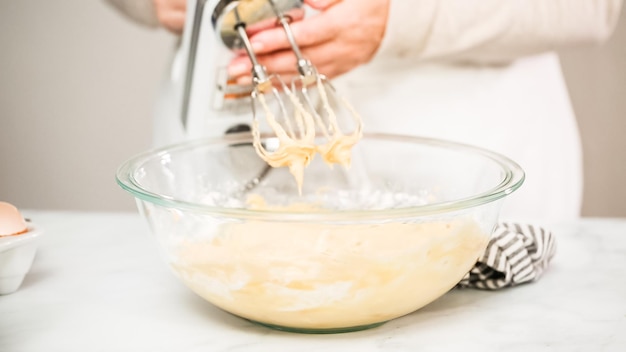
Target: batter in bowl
[{"x": 317, "y": 276}]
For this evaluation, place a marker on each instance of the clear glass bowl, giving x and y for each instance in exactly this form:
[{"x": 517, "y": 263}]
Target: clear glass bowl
[{"x": 357, "y": 248}]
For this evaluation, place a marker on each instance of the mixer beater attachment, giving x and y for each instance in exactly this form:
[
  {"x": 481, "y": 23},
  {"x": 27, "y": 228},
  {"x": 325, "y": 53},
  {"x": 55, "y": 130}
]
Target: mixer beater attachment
[{"x": 307, "y": 107}]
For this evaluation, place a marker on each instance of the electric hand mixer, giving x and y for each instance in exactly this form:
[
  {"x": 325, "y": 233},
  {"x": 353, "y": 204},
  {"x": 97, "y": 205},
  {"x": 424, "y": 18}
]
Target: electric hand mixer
[{"x": 211, "y": 104}]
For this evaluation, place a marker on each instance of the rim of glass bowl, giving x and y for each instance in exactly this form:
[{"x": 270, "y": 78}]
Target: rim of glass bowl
[{"x": 513, "y": 178}]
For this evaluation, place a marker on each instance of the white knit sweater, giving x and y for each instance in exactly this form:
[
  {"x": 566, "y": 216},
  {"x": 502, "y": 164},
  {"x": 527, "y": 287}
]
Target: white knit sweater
[{"x": 486, "y": 31}]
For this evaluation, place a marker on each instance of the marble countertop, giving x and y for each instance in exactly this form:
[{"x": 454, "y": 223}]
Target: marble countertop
[{"x": 98, "y": 284}]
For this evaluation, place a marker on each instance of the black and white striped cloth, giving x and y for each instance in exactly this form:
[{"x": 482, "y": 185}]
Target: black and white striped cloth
[{"x": 516, "y": 254}]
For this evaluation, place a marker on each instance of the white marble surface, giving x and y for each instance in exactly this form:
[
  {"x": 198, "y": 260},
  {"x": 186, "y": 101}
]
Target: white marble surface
[{"x": 98, "y": 284}]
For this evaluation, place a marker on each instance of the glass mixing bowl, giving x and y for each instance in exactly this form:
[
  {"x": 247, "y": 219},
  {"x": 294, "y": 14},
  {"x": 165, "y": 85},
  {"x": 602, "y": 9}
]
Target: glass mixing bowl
[{"x": 357, "y": 248}]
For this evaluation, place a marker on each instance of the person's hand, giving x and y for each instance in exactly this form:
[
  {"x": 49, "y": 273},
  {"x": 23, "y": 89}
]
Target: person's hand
[
  {"x": 171, "y": 14},
  {"x": 342, "y": 36}
]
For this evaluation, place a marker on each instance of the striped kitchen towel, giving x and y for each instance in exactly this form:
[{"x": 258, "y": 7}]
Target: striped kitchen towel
[{"x": 516, "y": 254}]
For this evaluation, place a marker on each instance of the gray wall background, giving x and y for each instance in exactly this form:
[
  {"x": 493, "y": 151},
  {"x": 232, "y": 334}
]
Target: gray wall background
[{"x": 77, "y": 84}]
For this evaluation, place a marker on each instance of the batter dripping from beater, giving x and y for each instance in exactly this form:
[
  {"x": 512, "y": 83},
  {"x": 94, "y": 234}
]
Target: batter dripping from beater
[{"x": 297, "y": 148}]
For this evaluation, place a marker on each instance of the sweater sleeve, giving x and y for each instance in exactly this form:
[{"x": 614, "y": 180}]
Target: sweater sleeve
[
  {"x": 140, "y": 11},
  {"x": 493, "y": 31}
]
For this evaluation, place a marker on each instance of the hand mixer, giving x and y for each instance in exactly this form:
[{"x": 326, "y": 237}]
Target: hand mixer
[{"x": 211, "y": 104}]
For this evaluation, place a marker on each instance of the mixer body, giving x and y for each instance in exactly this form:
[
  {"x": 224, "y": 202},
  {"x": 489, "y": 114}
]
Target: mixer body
[{"x": 198, "y": 100}]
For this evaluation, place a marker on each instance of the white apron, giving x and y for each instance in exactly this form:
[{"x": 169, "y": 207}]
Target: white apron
[{"x": 521, "y": 111}]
